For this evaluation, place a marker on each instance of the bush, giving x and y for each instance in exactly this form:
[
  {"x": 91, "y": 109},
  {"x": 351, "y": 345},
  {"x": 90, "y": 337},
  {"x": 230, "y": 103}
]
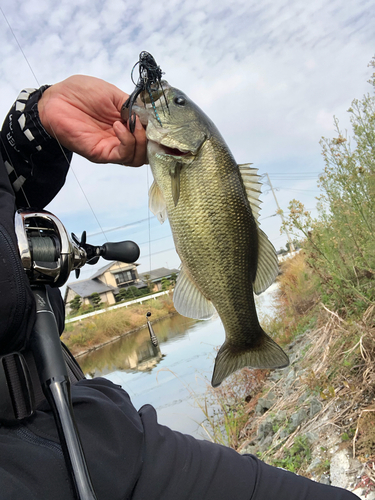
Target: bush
[{"x": 339, "y": 243}]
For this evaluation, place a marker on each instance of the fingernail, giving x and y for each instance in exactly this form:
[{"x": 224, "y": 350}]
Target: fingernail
[{"x": 138, "y": 124}]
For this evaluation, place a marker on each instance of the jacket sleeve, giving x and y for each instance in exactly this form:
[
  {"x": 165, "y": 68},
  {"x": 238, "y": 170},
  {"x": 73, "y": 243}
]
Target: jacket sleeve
[
  {"x": 36, "y": 163},
  {"x": 176, "y": 465},
  {"x": 33, "y": 168}
]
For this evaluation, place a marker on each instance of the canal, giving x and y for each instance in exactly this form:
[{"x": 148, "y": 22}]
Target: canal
[{"x": 172, "y": 377}]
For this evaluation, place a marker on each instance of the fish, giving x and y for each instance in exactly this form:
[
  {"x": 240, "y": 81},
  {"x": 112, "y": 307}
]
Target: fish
[{"x": 213, "y": 206}]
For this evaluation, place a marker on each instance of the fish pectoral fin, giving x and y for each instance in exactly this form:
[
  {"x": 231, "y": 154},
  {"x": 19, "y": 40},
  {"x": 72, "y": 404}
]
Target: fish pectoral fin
[
  {"x": 157, "y": 203},
  {"x": 267, "y": 265},
  {"x": 189, "y": 300},
  {"x": 174, "y": 172},
  {"x": 232, "y": 358}
]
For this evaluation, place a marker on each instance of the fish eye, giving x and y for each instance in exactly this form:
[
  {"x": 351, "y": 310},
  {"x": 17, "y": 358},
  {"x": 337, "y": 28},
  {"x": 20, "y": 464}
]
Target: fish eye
[{"x": 180, "y": 101}]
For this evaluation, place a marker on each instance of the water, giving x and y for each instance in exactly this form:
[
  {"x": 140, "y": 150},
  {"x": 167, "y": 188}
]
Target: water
[
  {"x": 173, "y": 377},
  {"x": 170, "y": 378}
]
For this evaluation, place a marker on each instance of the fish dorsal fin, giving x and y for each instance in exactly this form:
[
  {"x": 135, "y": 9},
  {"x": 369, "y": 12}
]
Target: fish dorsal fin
[
  {"x": 252, "y": 183},
  {"x": 267, "y": 266},
  {"x": 189, "y": 300},
  {"x": 157, "y": 203}
]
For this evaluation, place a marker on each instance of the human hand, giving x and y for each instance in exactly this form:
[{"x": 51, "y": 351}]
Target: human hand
[{"x": 83, "y": 114}]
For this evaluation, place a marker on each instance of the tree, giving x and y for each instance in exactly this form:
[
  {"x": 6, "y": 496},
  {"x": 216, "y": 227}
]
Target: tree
[
  {"x": 122, "y": 295},
  {"x": 75, "y": 304},
  {"x": 150, "y": 284},
  {"x": 173, "y": 279},
  {"x": 165, "y": 283},
  {"x": 96, "y": 300}
]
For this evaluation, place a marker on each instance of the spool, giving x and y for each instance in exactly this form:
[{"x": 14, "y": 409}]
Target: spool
[{"x": 44, "y": 248}]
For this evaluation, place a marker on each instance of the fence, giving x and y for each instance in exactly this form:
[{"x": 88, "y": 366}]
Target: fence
[{"x": 117, "y": 306}]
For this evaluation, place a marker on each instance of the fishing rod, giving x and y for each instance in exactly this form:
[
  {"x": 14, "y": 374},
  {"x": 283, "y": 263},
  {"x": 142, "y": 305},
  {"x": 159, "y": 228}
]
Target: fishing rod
[{"x": 48, "y": 255}]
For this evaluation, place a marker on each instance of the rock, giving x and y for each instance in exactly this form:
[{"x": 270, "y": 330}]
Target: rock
[
  {"x": 346, "y": 472},
  {"x": 276, "y": 375},
  {"x": 265, "y": 429},
  {"x": 303, "y": 398},
  {"x": 264, "y": 445},
  {"x": 250, "y": 450},
  {"x": 313, "y": 464},
  {"x": 324, "y": 479},
  {"x": 297, "y": 418},
  {"x": 264, "y": 404},
  {"x": 315, "y": 407},
  {"x": 312, "y": 437},
  {"x": 284, "y": 433}
]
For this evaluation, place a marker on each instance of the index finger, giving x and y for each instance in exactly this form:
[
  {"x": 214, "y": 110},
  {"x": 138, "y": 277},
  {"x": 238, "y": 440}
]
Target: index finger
[{"x": 140, "y": 152}]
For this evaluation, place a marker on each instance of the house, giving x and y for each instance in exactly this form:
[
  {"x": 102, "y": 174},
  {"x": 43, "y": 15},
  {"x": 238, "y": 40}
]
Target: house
[
  {"x": 109, "y": 280},
  {"x": 157, "y": 275}
]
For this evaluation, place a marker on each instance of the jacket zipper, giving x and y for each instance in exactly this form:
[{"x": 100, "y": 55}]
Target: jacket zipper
[{"x": 18, "y": 276}]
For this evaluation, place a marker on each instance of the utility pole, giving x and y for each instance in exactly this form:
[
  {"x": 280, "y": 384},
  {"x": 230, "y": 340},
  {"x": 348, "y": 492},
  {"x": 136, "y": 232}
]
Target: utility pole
[{"x": 291, "y": 246}]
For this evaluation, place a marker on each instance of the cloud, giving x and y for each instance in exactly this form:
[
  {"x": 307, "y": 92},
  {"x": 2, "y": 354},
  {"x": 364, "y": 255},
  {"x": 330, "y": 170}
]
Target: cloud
[{"x": 270, "y": 74}]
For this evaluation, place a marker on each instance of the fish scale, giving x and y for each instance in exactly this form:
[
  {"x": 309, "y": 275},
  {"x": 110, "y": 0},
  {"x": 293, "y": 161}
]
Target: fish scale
[{"x": 208, "y": 199}]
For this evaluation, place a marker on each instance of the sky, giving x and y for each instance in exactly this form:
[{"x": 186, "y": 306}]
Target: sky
[{"x": 271, "y": 75}]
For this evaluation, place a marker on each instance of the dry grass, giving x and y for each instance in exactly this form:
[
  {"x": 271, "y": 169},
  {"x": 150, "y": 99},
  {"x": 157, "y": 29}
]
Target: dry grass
[
  {"x": 339, "y": 370},
  {"x": 297, "y": 296},
  {"x": 96, "y": 330}
]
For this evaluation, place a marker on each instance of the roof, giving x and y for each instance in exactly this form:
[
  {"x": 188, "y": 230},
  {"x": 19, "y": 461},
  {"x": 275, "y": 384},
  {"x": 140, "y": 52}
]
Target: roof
[
  {"x": 157, "y": 274},
  {"x": 105, "y": 268},
  {"x": 85, "y": 288},
  {"x": 101, "y": 271}
]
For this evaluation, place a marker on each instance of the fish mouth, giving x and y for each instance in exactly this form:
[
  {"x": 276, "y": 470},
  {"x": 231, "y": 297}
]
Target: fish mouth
[
  {"x": 173, "y": 151},
  {"x": 162, "y": 150}
]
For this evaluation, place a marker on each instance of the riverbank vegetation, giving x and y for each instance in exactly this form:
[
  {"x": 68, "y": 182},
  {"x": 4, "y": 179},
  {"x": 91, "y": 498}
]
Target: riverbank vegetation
[
  {"x": 325, "y": 313},
  {"x": 95, "y": 330}
]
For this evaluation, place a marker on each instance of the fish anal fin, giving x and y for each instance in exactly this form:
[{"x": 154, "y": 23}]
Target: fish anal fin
[
  {"x": 157, "y": 203},
  {"x": 229, "y": 359},
  {"x": 189, "y": 300},
  {"x": 267, "y": 265}
]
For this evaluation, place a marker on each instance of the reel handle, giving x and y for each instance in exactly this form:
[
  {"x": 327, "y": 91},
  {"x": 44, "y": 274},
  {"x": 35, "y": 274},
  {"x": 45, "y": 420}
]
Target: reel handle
[{"x": 123, "y": 251}]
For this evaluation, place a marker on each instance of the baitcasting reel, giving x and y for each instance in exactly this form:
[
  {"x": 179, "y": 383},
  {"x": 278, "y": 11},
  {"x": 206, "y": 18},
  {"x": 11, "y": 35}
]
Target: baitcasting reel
[{"x": 49, "y": 254}]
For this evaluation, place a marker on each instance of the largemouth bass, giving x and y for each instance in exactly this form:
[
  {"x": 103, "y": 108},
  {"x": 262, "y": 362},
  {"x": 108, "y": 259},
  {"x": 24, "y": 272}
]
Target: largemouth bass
[{"x": 213, "y": 206}]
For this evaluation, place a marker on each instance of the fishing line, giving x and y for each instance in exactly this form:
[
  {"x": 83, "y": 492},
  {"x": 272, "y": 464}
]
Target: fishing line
[
  {"x": 149, "y": 225},
  {"x": 19, "y": 46},
  {"x": 157, "y": 78},
  {"x": 58, "y": 142},
  {"x": 60, "y": 146}
]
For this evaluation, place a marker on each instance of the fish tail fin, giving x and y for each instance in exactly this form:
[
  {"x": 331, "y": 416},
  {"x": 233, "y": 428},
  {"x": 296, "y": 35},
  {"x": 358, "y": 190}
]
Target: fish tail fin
[{"x": 229, "y": 359}]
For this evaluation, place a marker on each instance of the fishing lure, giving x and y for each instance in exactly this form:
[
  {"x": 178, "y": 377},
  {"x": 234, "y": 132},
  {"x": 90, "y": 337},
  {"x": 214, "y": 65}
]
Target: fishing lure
[{"x": 150, "y": 81}]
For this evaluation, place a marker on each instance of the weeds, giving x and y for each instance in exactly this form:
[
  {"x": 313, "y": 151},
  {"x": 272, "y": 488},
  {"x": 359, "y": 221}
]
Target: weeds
[
  {"x": 296, "y": 457},
  {"x": 226, "y": 408},
  {"x": 339, "y": 242}
]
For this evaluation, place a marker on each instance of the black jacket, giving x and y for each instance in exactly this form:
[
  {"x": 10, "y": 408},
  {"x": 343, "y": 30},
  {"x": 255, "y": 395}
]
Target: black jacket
[
  {"x": 129, "y": 454},
  {"x": 33, "y": 168}
]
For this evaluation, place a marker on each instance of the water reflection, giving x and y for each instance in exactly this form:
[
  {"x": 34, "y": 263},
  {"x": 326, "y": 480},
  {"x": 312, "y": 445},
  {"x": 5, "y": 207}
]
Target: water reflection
[
  {"x": 135, "y": 352},
  {"x": 170, "y": 378}
]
